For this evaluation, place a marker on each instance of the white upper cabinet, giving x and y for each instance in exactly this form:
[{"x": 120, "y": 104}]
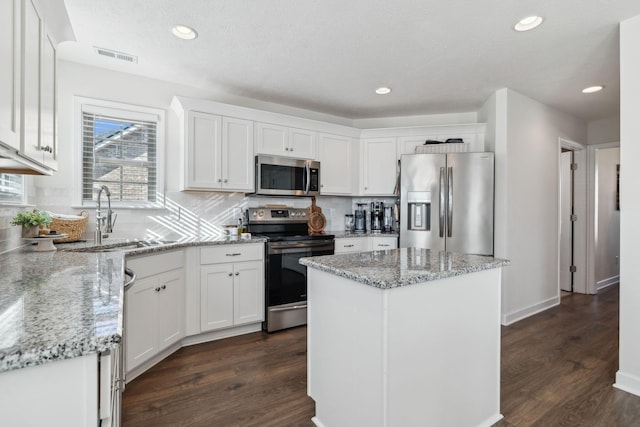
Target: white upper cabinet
[
  {"x": 29, "y": 35},
  {"x": 337, "y": 164},
  {"x": 218, "y": 153},
  {"x": 378, "y": 171},
  {"x": 9, "y": 73},
  {"x": 285, "y": 141}
]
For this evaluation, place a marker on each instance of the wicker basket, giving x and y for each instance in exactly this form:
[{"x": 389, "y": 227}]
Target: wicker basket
[{"x": 73, "y": 227}]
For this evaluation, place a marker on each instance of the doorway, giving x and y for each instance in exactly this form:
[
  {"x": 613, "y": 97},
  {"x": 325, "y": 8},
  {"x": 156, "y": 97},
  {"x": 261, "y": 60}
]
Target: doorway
[
  {"x": 567, "y": 217},
  {"x": 572, "y": 217}
]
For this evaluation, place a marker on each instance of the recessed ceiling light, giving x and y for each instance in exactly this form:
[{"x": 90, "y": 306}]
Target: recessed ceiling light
[
  {"x": 383, "y": 90},
  {"x": 528, "y": 23},
  {"x": 184, "y": 32},
  {"x": 592, "y": 89}
]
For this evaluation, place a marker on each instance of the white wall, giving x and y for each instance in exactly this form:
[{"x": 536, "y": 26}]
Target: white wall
[
  {"x": 526, "y": 219},
  {"x": 207, "y": 209},
  {"x": 628, "y": 375},
  {"x": 607, "y": 234},
  {"x": 604, "y": 130}
]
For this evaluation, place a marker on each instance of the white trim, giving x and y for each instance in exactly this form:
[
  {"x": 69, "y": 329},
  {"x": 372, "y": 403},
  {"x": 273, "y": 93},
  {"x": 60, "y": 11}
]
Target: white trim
[
  {"x": 592, "y": 286},
  {"x": 627, "y": 382},
  {"x": 580, "y": 240},
  {"x": 491, "y": 421},
  {"x": 223, "y": 333},
  {"x": 515, "y": 316},
  {"x": 134, "y": 111},
  {"x": 604, "y": 283}
]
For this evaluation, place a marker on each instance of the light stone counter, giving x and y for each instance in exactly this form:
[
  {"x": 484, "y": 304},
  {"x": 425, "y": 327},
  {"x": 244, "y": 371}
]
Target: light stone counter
[
  {"x": 65, "y": 304},
  {"x": 400, "y": 267}
]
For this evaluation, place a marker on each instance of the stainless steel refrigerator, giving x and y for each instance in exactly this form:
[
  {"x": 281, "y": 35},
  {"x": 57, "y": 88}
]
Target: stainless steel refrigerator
[{"x": 446, "y": 202}]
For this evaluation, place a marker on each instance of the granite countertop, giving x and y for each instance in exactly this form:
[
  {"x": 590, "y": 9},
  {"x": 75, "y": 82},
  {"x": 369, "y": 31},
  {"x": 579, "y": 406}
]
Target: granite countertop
[
  {"x": 68, "y": 303},
  {"x": 401, "y": 267}
]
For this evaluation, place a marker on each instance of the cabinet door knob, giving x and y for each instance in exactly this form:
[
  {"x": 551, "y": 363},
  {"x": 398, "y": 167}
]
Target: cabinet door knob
[
  {"x": 163, "y": 287},
  {"x": 286, "y": 148},
  {"x": 219, "y": 179},
  {"x": 230, "y": 274},
  {"x": 366, "y": 188},
  {"x": 291, "y": 149},
  {"x": 226, "y": 180},
  {"x": 238, "y": 273},
  {"x": 157, "y": 289},
  {"x": 46, "y": 149}
]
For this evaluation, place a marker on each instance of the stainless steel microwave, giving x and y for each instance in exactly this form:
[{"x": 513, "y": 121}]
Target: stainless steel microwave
[{"x": 283, "y": 176}]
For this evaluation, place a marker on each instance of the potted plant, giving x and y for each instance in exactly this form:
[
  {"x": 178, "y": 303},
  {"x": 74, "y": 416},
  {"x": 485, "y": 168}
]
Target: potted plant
[{"x": 31, "y": 222}]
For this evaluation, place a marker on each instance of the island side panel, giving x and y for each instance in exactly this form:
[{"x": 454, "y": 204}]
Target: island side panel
[
  {"x": 444, "y": 352},
  {"x": 345, "y": 350}
]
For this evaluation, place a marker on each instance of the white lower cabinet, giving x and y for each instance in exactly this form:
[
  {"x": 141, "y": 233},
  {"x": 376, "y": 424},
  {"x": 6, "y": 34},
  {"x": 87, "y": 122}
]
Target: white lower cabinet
[
  {"x": 231, "y": 293},
  {"x": 154, "y": 307},
  {"x": 365, "y": 243}
]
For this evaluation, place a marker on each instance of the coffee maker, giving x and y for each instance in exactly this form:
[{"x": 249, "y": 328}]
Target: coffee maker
[
  {"x": 377, "y": 213},
  {"x": 360, "y": 223}
]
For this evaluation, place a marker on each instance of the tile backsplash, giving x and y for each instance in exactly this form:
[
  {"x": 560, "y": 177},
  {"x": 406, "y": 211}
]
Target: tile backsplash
[{"x": 186, "y": 215}]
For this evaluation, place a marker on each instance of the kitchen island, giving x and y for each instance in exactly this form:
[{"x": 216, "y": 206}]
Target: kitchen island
[{"x": 404, "y": 337}]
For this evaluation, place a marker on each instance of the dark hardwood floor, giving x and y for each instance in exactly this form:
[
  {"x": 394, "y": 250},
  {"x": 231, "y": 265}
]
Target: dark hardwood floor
[{"x": 558, "y": 368}]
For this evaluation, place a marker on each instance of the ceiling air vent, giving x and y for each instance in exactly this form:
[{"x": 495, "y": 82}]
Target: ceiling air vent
[{"x": 116, "y": 55}]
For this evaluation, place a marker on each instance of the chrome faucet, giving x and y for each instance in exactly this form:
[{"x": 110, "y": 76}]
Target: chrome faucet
[{"x": 107, "y": 221}]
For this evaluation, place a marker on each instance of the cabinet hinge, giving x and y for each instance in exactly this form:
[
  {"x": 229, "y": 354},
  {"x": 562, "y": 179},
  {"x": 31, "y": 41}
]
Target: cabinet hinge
[
  {"x": 573, "y": 218},
  {"x": 573, "y": 268},
  {"x": 574, "y": 166}
]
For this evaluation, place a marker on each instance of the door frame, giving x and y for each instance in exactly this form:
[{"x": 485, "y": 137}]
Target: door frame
[
  {"x": 592, "y": 287},
  {"x": 580, "y": 242}
]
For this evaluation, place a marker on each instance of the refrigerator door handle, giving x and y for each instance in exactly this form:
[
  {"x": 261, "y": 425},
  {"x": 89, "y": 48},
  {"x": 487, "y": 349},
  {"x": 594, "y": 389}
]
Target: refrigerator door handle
[
  {"x": 442, "y": 201},
  {"x": 450, "y": 203}
]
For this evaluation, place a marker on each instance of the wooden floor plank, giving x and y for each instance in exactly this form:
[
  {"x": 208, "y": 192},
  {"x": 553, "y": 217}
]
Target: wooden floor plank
[{"x": 557, "y": 369}]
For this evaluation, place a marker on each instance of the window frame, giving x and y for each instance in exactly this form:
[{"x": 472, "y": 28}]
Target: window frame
[
  {"x": 129, "y": 111},
  {"x": 23, "y": 193}
]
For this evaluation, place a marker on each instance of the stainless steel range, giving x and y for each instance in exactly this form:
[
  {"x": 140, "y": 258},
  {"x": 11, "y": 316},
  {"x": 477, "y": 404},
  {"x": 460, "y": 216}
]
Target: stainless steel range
[{"x": 288, "y": 240}]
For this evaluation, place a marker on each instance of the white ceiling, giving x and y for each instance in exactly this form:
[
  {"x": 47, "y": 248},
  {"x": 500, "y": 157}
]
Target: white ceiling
[{"x": 438, "y": 56}]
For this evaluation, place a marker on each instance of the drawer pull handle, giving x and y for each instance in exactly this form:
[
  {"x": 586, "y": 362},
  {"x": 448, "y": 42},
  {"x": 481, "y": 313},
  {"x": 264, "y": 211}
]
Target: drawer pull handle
[
  {"x": 348, "y": 246},
  {"x": 383, "y": 245},
  {"x": 235, "y": 254}
]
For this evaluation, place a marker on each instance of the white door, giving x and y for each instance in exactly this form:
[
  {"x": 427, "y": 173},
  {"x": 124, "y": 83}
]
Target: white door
[
  {"x": 141, "y": 325},
  {"x": 336, "y": 164},
  {"x": 31, "y": 41},
  {"x": 170, "y": 312},
  {"x": 302, "y": 144},
  {"x": 248, "y": 300},
  {"x": 379, "y": 166},
  {"x": 203, "y": 150},
  {"x": 272, "y": 139},
  {"x": 566, "y": 233},
  {"x": 9, "y": 35},
  {"x": 237, "y": 155},
  {"x": 216, "y": 293}
]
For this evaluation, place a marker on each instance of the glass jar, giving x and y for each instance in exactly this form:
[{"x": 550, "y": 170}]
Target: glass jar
[{"x": 348, "y": 223}]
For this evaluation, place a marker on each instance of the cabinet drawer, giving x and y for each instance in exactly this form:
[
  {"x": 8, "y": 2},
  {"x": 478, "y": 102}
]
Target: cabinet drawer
[
  {"x": 231, "y": 253},
  {"x": 351, "y": 244},
  {"x": 380, "y": 243},
  {"x": 148, "y": 265}
]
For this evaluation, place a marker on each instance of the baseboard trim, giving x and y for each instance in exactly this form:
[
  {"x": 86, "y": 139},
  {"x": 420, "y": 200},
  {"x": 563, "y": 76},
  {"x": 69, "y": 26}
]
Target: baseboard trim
[
  {"x": 224, "y": 333},
  {"x": 317, "y": 422},
  {"x": 145, "y": 366},
  {"x": 601, "y": 284},
  {"x": 514, "y": 316},
  {"x": 491, "y": 421},
  {"x": 627, "y": 382}
]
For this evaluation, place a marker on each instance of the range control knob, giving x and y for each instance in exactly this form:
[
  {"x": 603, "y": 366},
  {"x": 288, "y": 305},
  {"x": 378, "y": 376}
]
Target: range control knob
[
  {"x": 254, "y": 214},
  {"x": 303, "y": 213},
  {"x": 260, "y": 213}
]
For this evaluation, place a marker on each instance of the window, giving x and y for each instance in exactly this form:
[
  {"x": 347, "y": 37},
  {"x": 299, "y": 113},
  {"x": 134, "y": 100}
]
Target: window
[
  {"x": 122, "y": 148},
  {"x": 11, "y": 188}
]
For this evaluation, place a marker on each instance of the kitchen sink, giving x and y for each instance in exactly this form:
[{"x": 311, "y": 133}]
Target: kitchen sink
[{"x": 123, "y": 246}]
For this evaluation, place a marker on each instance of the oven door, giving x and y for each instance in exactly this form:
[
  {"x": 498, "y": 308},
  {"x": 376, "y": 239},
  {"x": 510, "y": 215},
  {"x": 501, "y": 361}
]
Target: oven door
[{"x": 286, "y": 281}]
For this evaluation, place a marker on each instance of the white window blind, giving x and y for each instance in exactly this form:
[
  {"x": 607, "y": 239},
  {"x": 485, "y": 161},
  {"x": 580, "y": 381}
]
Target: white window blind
[
  {"x": 11, "y": 188},
  {"x": 120, "y": 150}
]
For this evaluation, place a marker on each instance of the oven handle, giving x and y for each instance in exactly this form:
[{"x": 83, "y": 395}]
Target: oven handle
[
  {"x": 293, "y": 307},
  {"x": 329, "y": 244}
]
